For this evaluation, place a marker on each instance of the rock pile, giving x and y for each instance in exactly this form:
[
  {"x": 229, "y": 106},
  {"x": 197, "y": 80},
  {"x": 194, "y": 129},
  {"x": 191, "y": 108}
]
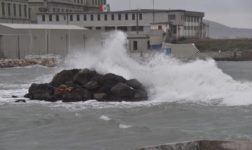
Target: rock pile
[
  {"x": 82, "y": 85},
  {"x": 7, "y": 63}
]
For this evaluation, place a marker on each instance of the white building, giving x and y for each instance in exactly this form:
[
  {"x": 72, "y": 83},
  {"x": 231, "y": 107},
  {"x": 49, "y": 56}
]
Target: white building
[
  {"x": 63, "y": 6},
  {"x": 22, "y": 40},
  {"x": 14, "y": 11},
  {"x": 184, "y": 24}
]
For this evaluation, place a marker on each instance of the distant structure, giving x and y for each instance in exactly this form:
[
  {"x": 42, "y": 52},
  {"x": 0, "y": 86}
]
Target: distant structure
[
  {"x": 181, "y": 23},
  {"x": 25, "y": 11},
  {"x": 14, "y": 11},
  {"x": 63, "y": 6}
]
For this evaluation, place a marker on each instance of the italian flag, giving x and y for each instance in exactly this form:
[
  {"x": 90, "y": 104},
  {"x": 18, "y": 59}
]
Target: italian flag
[{"x": 105, "y": 8}]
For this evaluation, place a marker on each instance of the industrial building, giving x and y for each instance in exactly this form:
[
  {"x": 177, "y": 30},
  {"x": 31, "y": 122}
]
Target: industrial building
[
  {"x": 14, "y": 11},
  {"x": 25, "y": 40},
  {"x": 63, "y": 6},
  {"x": 182, "y": 23},
  {"x": 25, "y": 11}
]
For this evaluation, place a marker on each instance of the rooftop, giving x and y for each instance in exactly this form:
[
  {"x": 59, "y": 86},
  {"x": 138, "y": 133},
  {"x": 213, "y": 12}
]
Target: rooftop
[
  {"x": 133, "y": 11},
  {"x": 42, "y": 26}
]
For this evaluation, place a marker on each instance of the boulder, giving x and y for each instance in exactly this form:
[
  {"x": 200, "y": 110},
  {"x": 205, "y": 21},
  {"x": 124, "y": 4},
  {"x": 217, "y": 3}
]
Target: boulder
[
  {"x": 122, "y": 91},
  {"x": 100, "y": 96},
  {"x": 64, "y": 76},
  {"x": 41, "y": 92},
  {"x": 82, "y": 85},
  {"x": 84, "y": 76},
  {"x": 20, "y": 101}
]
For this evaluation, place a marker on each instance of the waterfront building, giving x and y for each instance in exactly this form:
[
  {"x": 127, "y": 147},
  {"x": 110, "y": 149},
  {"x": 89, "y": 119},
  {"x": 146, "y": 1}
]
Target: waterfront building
[
  {"x": 14, "y": 11},
  {"x": 36, "y": 40},
  {"x": 63, "y": 6},
  {"x": 182, "y": 23},
  {"x": 25, "y": 11}
]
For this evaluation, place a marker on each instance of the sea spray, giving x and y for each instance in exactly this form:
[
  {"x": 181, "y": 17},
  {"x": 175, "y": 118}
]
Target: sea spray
[{"x": 167, "y": 79}]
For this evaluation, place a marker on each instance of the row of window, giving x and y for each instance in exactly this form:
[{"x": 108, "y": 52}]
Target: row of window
[
  {"x": 192, "y": 19},
  {"x": 122, "y": 28},
  {"x": 192, "y": 27},
  {"x": 97, "y": 17},
  {"x": 12, "y": 9}
]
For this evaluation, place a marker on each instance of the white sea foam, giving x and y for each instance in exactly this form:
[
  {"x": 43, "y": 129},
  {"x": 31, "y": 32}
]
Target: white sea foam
[
  {"x": 167, "y": 79},
  {"x": 124, "y": 126},
  {"x": 105, "y": 118}
]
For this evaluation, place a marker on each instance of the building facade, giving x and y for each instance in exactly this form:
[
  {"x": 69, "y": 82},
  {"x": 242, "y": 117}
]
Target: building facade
[
  {"x": 183, "y": 23},
  {"x": 25, "y": 11},
  {"x": 38, "y": 40},
  {"x": 14, "y": 11},
  {"x": 63, "y": 6}
]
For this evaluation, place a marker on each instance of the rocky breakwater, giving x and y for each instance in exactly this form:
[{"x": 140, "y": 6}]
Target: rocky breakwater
[
  {"x": 204, "y": 145},
  {"x": 82, "y": 85},
  {"x": 7, "y": 63}
]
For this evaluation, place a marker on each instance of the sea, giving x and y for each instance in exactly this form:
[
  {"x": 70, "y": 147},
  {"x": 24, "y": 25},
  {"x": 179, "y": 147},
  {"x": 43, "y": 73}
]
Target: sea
[{"x": 188, "y": 100}]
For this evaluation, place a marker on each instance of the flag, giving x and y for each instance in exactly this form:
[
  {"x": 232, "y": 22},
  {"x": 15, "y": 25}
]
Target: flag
[{"x": 105, "y": 8}]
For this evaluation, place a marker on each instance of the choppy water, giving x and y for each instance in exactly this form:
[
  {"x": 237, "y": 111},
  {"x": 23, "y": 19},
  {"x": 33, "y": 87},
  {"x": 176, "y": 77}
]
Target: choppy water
[{"x": 193, "y": 100}]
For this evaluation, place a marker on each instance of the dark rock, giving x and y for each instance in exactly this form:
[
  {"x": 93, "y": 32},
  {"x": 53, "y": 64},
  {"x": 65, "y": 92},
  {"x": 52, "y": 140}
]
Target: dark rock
[
  {"x": 135, "y": 84},
  {"x": 84, "y": 76},
  {"x": 204, "y": 145},
  {"x": 122, "y": 91},
  {"x": 92, "y": 85},
  {"x": 140, "y": 95},
  {"x": 14, "y": 96},
  {"x": 41, "y": 92},
  {"x": 20, "y": 101},
  {"x": 100, "y": 96},
  {"x": 82, "y": 85},
  {"x": 64, "y": 76}
]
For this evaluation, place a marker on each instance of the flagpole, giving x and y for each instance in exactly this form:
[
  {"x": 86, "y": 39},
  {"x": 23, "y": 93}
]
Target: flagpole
[
  {"x": 153, "y": 9},
  {"x": 129, "y": 4}
]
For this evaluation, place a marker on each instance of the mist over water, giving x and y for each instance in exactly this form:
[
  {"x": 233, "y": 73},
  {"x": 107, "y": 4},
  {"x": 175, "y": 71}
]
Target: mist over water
[{"x": 167, "y": 79}]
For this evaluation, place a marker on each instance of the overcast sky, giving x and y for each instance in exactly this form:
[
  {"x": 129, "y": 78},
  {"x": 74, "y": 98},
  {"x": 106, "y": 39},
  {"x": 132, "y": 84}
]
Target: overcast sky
[{"x": 234, "y": 13}]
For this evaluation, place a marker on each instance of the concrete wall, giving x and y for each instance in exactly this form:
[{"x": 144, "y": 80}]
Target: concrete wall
[{"x": 22, "y": 43}]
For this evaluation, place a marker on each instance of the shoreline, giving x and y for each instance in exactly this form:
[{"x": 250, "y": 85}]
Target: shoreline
[{"x": 10, "y": 63}]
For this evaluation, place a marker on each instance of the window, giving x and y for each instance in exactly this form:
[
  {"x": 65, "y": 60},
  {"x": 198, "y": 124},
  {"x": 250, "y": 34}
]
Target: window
[
  {"x": 98, "y": 28},
  {"x": 126, "y": 17},
  {"x": 98, "y": 17},
  {"x": 105, "y": 17},
  {"x": 3, "y": 9},
  {"x": 50, "y": 17},
  {"x": 174, "y": 29},
  {"x": 148, "y": 44},
  {"x": 172, "y": 17},
  {"x": 85, "y": 17},
  {"x": 140, "y": 16},
  {"x": 14, "y": 10},
  {"x": 57, "y": 17},
  {"x": 112, "y": 17},
  {"x": 133, "y": 28},
  {"x": 91, "y": 17},
  {"x": 29, "y": 12},
  {"x": 133, "y": 17},
  {"x": 71, "y": 17},
  {"x": 78, "y": 17},
  {"x": 43, "y": 18},
  {"x": 25, "y": 10},
  {"x": 9, "y": 11},
  {"x": 134, "y": 45},
  {"x": 119, "y": 17},
  {"x": 20, "y": 10}
]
